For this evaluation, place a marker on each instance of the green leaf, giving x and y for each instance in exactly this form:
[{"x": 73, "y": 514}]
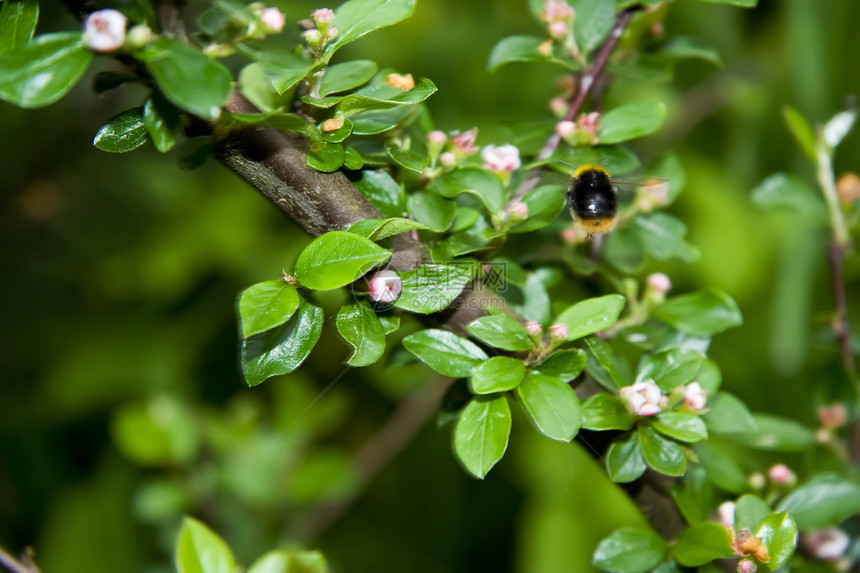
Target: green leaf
[
  {"x": 778, "y": 434},
  {"x": 741, "y": 3},
  {"x": 356, "y": 18},
  {"x": 336, "y": 259},
  {"x": 122, "y": 132},
  {"x": 188, "y": 78},
  {"x": 431, "y": 209},
  {"x": 283, "y": 69},
  {"x": 361, "y": 329},
  {"x": 702, "y": 543},
  {"x": 377, "y": 96},
  {"x": 552, "y": 406},
  {"x": 594, "y": 20},
  {"x": 352, "y": 159},
  {"x": 591, "y": 315},
  {"x": 671, "y": 368},
  {"x": 497, "y": 374},
  {"x": 374, "y": 122},
  {"x": 801, "y": 130},
  {"x": 604, "y": 365},
  {"x": 662, "y": 236},
  {"x": 525, "y": 49},
  {"x": 338, "y": 135},
  {"x": 282, "y": 349},
  {"x": 406, "y": 158},
  {"x": 17, "y": 23},
  {"x": 662, "y": 455},
  {"x": 824, "y": 501},
  {"x": 256, "y": 85},
  {"x": 501, "y": 331},
  {"x": 200, "y": 550},
  {"x": 728, "y": 415},
  {"x": 43, "y": 70},
  {"x": 481, "y": 434},
  {"x": 721, "y": 467},
  {"x": 681, "y": 426},
  {"x": 389, "y": 323},
  {"x": 544, "y": 203},
  {"x": 630, "y": 550},
  {"x": 445, "y": 352},
  {"x": 750, "y": 510},
  {"x": 161, "y": 432},
  {"x": 778, "y": 533},
  {"x": 266, "y": 305},
  {"x": 694, "y": 495},
  {"x": 702, "y": 313},
  {"x": 606, "y": 412},
  {"x": 837, "y": 127},
  {"x": 630, "y": 121},
  {"x": 346, "y": 76},
  {"x": 430, "y": 288},
  {"x": 161, "y": 121},
  {"x": 475, "y": 181},
  {"x": 326, "y": 157},
  {"x": 562, "y": 364},
  {"x": 790, "y": 192},
  {"x": 378, "y": 229},
  {"x": 624, "y": 461},
  {"x": 290, "y": 562},
  {"x": 383, "y": 191},
  {"x": 690, "y": 47}
]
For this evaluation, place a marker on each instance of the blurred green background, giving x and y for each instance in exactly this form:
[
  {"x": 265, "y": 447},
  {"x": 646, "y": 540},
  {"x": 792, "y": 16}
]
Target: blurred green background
[{"x": 121, "y": 404}]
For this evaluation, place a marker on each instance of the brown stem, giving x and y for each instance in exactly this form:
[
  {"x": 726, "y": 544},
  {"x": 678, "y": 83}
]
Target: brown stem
[
  {"x": 169, "y": 14},
  {"x": 586, "y": 84}
]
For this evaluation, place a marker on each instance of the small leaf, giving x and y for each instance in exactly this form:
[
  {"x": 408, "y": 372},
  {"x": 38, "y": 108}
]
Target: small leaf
[
  {"x": 346, "y": 76},
  {"x": 594, "y": 20},
  {"x": 728, "y": 415},
  {"x": 630, "y": 121},
  {"x": 604, "y": 365},
  {"x": 378, "y": 229},
  {"x": 562, "y": 364},
  {"x": 690, "y": 47},
  {"x": 374, "y": 122},
  {"x": 497, "y": 374},
  {"x": 475, "y": 181},
  {"x": 43, "y": 70},
  {"x": 356, "y": 18},
  {"x": 501, "y": 331},
  {"x": 824, "y": 501},
  {"x": 161, "y": 121},
  {"x": 778, "y": 434},
  {"x": 750, "y": 510},
  {"x": 801, "y": 130},
  {"x": 591, "y": 315},
  {"x": 702, "y": 543},
  {"x": 481, "y": 434},
  {"x": 431, "y": 288},
  {"x": 431, "y": 209},
  {"x": 544, "y": 203},
  {"x": 445, "y": 352},
  {"x": 721, "y": 468},
  {"x": 662, "y": 455},
  {"x": 671, "y": 368},
  {"x": 681, "y": 426},
  {"x": 374, "y": 97},
  {"x": 792, "y": 193},
  {"x": 326, "y": 157},
  {"x": 284, "y": 70},
  {"x": 630, "y": 550},
  {"x": 122, "y": 132},
  {"x": 290, "y": 562},
  {"x": 282, "y": 349},
  {"x": 336, "y": 259},
  {"x": 778, "y": 533},
  {"x": 624, "y": 461},
  {"x": 525, "y": 49},
  {"x": 361, "y": 329},
  {"x": 662, "y": 236},
  {"x": 17, "y": 23},
  {"x": 606, "y": 412},
  {"x": 266, "y": 305},
  {"x": 383, "y": 191},
  {"x": 188, "y": 78},
  {"x": 200, "y": 550},
  {"x": 552, "y": 406},
  {"x": 407, "y": 158},
  {"x": 702, "y": 313}
]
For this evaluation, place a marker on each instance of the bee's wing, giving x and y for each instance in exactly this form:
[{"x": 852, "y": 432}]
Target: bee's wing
[{"x": 633, "y": 183}]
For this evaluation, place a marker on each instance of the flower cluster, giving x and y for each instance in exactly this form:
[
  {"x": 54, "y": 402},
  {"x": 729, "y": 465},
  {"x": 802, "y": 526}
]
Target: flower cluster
[
  {"x": 582, "y": 132},
  {"x": 319, "y": 30},
  {"x": 646, "y": 399}
]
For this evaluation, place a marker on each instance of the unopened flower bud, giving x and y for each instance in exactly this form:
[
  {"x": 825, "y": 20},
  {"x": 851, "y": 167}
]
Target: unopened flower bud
[
  {"x": 659, "y": 282},
  {"x": 695, "y": 396},
  {"x": 385, "y": 286},
  {"x": 533, "y": 328},
  {"x": 313, "y": 38},
  {"x": 330, "y": 34},
  {"x": 757, "y": 481},
  {"x": 332, "y": 124},
  {"x": 272, "y": 20},
  {"x": 558, "y": 332},
  {"x": 403, "y": 82},
  {"x": 565, "y": 128},
  {"x": 104, "y": 30},
  {"x": 558, "y": 106},
  {"x": 557, "y": 30},
  {"x": 502, "y": 158},
  {"x": 747, "y": 566},
  {"x": 437, "y": 137},
  {"x": 323, "y": 16},
  {"x": 139, "y": 36},
  {"x": 726, "y": 513},
  {"x": 448, "y": 159},
  {"x": 782, "y": 475},
  {"x": 833, "y": 416},
  {"x": 464, "y": 143},
  {"x": 519, "y": 211},
  {"x": 848, "y": 188},
  {"x": 827, "y": 545},
  {"x": 642, "y": 398},
  {"x": 555, "y": 10},
  {"x": 545, "y": 49}
]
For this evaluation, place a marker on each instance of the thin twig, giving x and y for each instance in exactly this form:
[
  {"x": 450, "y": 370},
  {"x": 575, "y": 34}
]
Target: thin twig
[{"x": 586, "y": 85}]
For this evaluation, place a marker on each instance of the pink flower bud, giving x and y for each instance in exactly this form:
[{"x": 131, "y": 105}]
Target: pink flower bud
[
  {"x": 464, "y": 143},
  {"x": 827, "y": 545},
  {"x": 323, "y": 16},
  {"x": 534, "y": 328},
  {"x": 519, "y": 211},
  {"x": 558, "y": 106},
  {"x": 558, "y": 331},
  {"x": 448, "y": 159},
  {"x": 331, "y": 34},
  {"x": 747, "y": 566},
  {"x": 437, "y": 137},
  {"x": 565, "y": 128},
  {"x": 502, "y": 158},
  {"x": 554, "y": 10},
  {"x": 694, "y": 396},
  {"x": 659, "y": 282},
  {"x": 557, "y": 30},
  {"x": 272, "y": 20},
  {"x": 385, "y": 286},
  {"x": 833, "y": 416},
  {"x": 726, "y": 513},
  {"x": 781, "y": 474},
  {"x": 642, "y": 398},
  {"x": 104, "y": 31}
]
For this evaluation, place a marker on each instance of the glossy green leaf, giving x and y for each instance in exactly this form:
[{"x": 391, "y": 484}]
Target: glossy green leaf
[
  {"x": 681, "y": 426},
  {"x": 778, "y": 434},
  {"x": 374, "y": 122},
  {"x": 17, "y": 23},
  {"x": 43, "y": 70},
  {"x": 122, "y": 132},
  {"x": 702, "y": 313},
  {"x": 282, "y": 349},
  {"x": 474, "y": 181},
  {"x": 624, "y": 461},
  {"x": 630, "y": 550},
  {"x": 374, "y": 97},
  {"x": 497, "y": 374},
  {"x": 378, "y": 229},
  {"x": 671, "y": 368},
  {"x": 593, "y": 22},
  {"x": 338, "y": 135},
  {"x": 445, "y": 352},
  {"x": 605, "y": 412},
  {"x": 750, "y": 510},
  {"x": 352, "y": 159},
  {"x": 432, "y": 209},
  {"x": 702, "y": 543},
  {"x": 630, "y": 121},
  {"x": 266, "y": 305},
  {"x": 544, "y": 203},
  {"x": 481, "y": 434},
  {"x": 384, "y": 192},
  {"x": 188, "y": 78},
  {"x": 728, "y": 415},
  {"x": 562, "y": 364},
  {"x": 822, "y": 502},
  {"x": 690, "y": 47},
  {"x": 336, "y": 259},
  {"x": 604, "y": 365},
  {"x": 256, "y": 85},
  {"x": 361, "y": 329},
  {"x": 801, "y": 130},
  {"x": 591, "y": 315},
  {"x": 389, "y": 323},
  {"x": 200, "y": 550},
  {"x": 792, "y": 193},
  {"x": 326, "y": 157},
  {"x": 406, "y": 158},
  {"x": 778, "y": 533},
  {"x": 552, "y": 406},
  {"x": 525, "y": 49},
  {"x": 161, "y": 121},
  {"x": 661, "y": 454},
  {"x": 356, "y": 18},
  {"x": 500, "y": 331},
  {"x": 346, "y": 76},
  {"x": 430, "y": 288},
  {"x": 290, "y": 562},
  {"x": 283, "y": 69}
]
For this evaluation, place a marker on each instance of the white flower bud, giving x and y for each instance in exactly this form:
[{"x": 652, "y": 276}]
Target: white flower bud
[
  {"x": 502, "y": 158},
  {"x": 695, "y": 396},
  {"x": 272, "y": 20},
  {"x": 726, "y": 513},
  {"x": 104, "y": 31},
  {"x": 642, "y": 398}
]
